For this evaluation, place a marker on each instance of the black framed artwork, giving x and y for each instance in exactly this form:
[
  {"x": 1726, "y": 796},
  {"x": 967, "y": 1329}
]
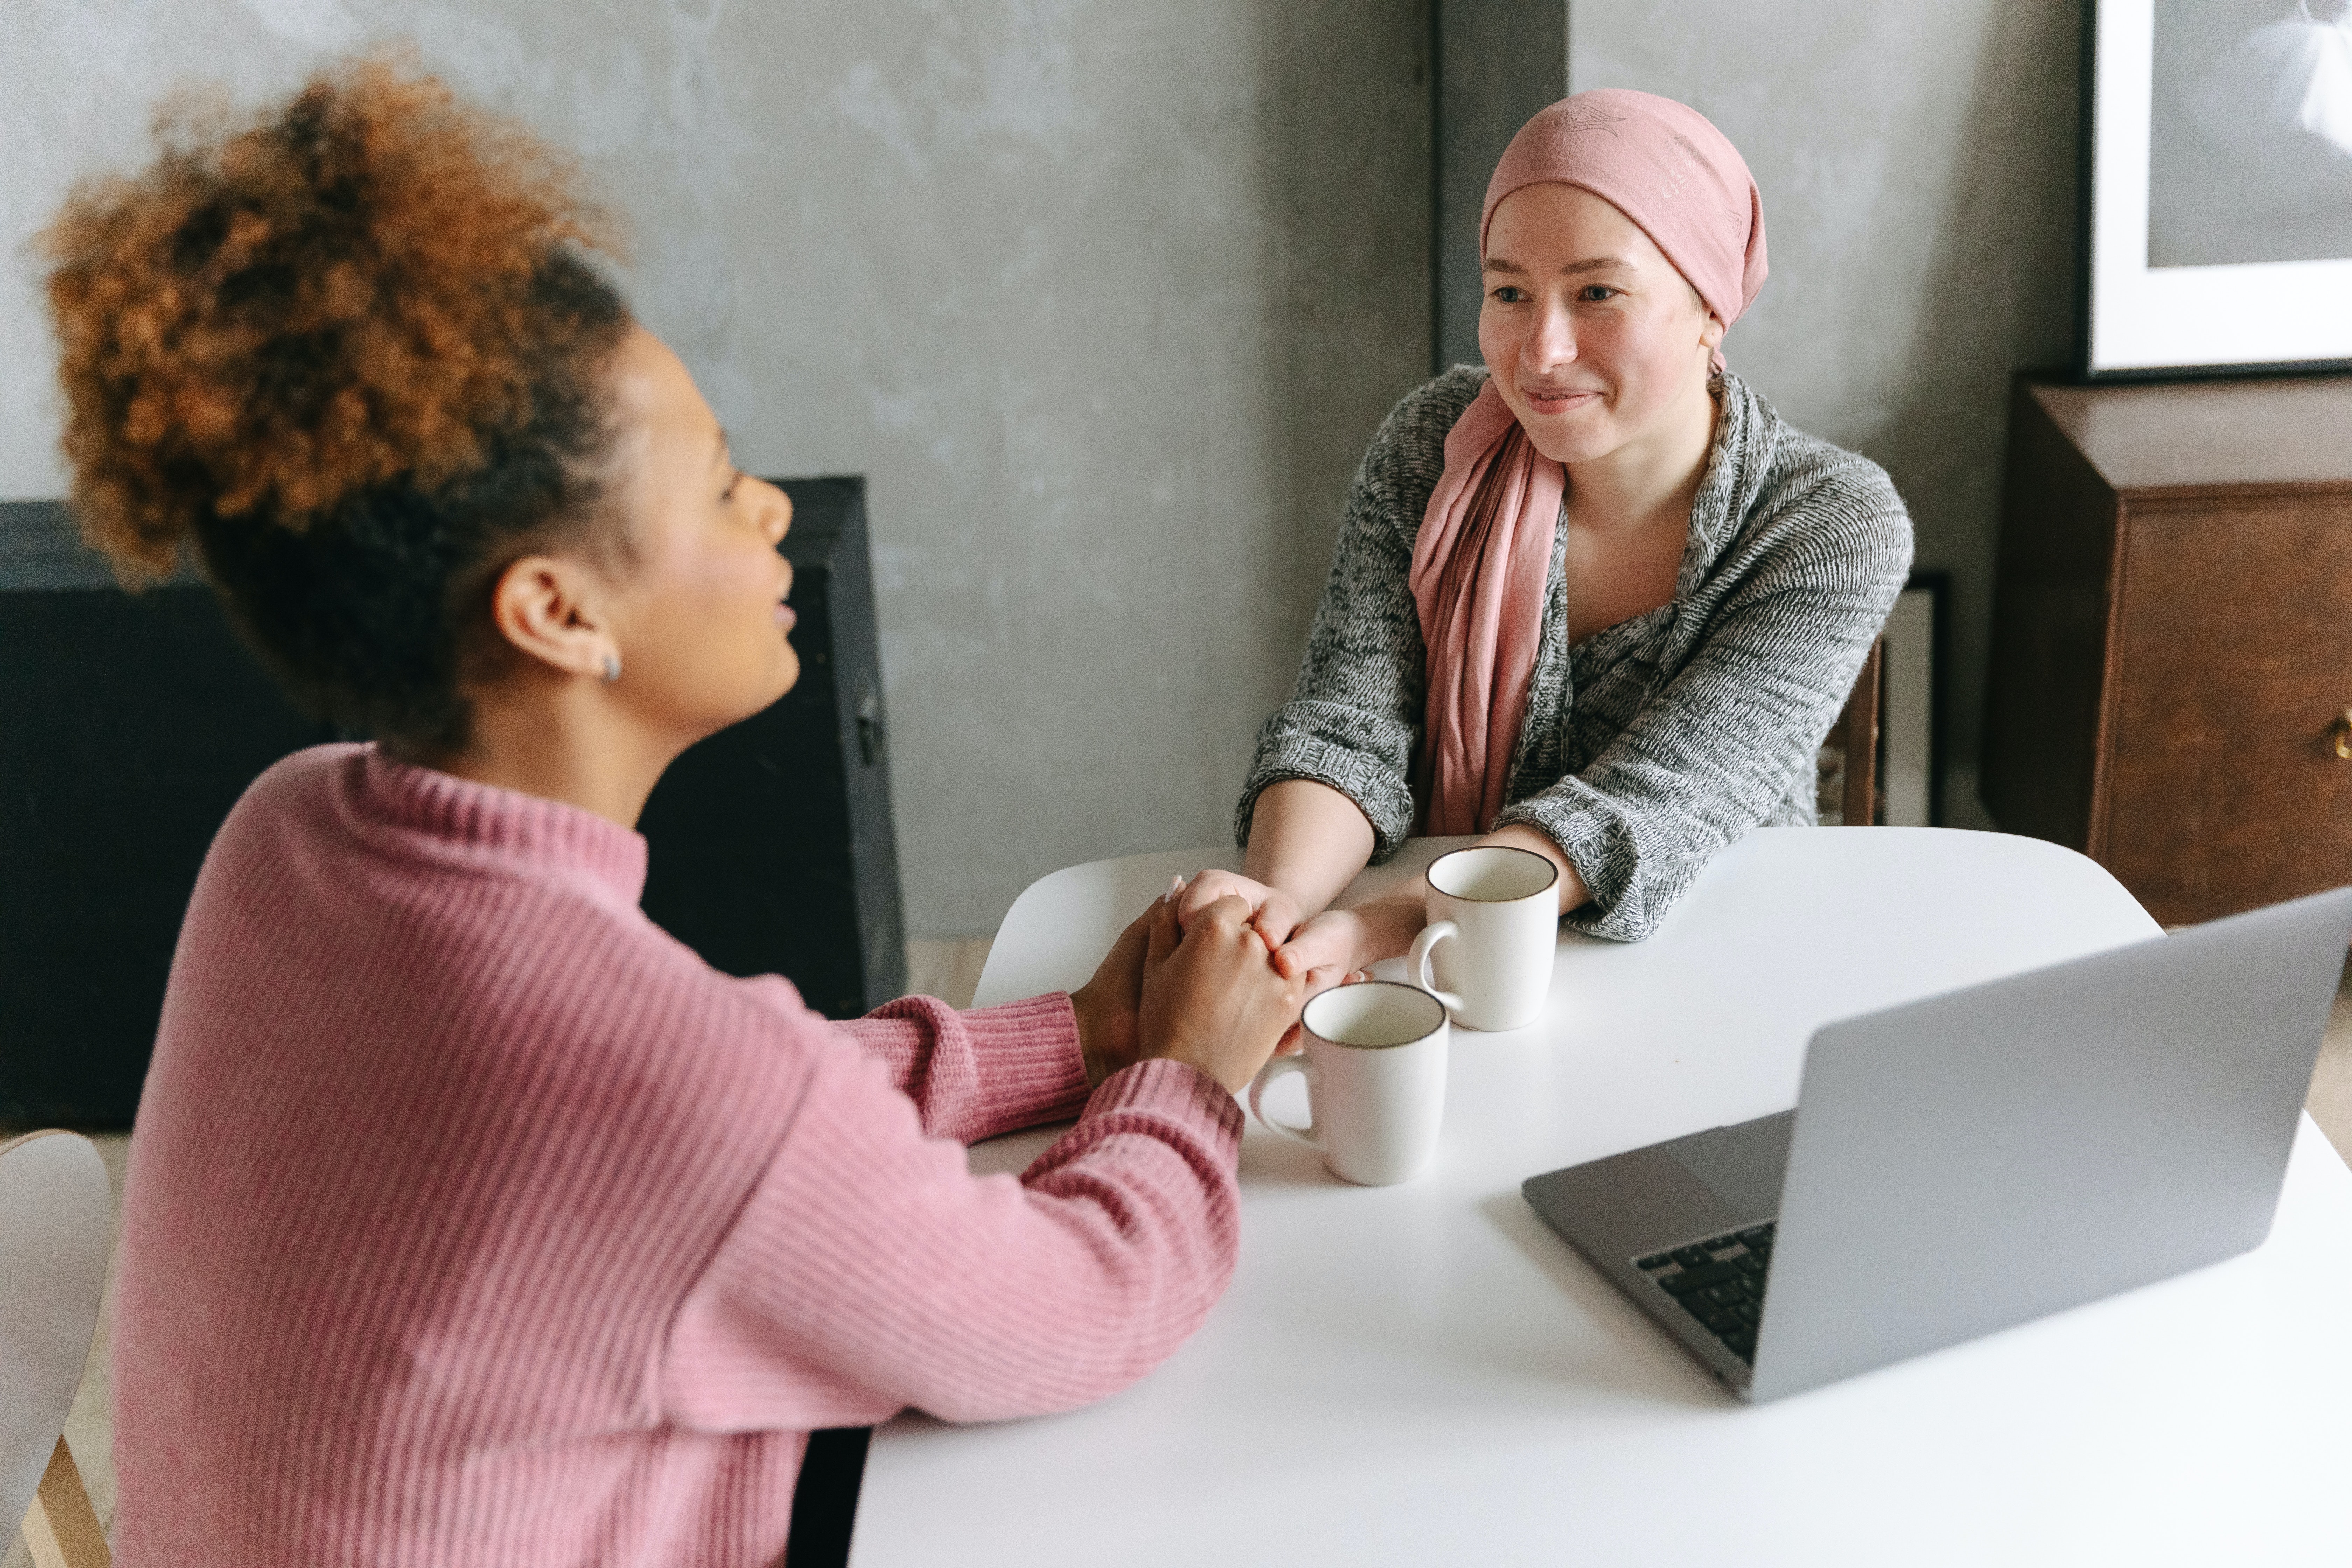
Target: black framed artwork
[{"x": 2217, "y": 200}]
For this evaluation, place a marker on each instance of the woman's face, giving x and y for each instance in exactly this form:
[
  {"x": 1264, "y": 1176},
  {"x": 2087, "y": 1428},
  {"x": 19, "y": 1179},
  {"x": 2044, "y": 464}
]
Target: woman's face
[
  {"x": 1594, "y": 339},
  {"x": 697, "y": 607}
]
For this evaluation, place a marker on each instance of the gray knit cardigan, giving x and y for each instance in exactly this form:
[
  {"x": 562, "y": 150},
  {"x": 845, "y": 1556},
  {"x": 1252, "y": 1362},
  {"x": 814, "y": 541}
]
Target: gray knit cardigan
[{"x": 1655, "y": 742}]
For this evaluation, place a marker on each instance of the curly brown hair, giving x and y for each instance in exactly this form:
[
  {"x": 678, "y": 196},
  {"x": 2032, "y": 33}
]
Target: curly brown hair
[{"x": 354, "y": 351}]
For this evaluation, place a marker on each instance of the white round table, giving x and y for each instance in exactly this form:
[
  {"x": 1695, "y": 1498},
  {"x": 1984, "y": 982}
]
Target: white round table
[{"x": 1426, "y": 1374}]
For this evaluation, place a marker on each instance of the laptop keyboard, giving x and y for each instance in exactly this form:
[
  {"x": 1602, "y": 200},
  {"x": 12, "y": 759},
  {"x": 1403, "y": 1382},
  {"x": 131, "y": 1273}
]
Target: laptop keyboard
[{"x": 1719, "y": 1281}]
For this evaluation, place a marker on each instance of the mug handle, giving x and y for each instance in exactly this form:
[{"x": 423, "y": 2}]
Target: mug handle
[
  {"x": 1417, "y": 961},
  {"x": 1266, "y": 1075}
]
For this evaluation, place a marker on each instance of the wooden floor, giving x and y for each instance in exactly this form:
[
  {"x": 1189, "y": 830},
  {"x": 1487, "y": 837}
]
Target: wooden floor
[
  {"x": 946, "y": 969},
  {"x": 950, "y": 970}
]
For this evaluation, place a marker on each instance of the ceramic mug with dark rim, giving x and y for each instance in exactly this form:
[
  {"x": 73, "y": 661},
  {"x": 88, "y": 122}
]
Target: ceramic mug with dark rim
[
  {"x": 1492, "y": 931},
  {"x": 1374, "y": 1061}
]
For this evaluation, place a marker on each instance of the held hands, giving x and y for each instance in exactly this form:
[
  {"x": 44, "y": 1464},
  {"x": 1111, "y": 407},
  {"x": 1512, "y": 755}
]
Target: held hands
[
  {"x": 1272, "y": 911},
  {"x": 1107, "y": 1035},
  {"x": 1340, "y": 944},
  {"x": 1325, "y": 949},
  {"x": 1212, "y": 997},
  {"x": 1209, "y": 997}
]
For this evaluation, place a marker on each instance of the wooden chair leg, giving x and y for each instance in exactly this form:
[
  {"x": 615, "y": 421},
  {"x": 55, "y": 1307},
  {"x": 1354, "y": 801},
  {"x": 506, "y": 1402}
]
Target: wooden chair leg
[{"x": 61, "y": 1527}]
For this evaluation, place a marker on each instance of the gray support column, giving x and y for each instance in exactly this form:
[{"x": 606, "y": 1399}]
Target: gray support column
[{"x": 1496, "y": 62}]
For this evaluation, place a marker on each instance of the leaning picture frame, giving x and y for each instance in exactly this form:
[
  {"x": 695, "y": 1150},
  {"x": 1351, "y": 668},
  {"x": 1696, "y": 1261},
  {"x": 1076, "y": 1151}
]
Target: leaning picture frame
[{"x": 2217, "y": 187}]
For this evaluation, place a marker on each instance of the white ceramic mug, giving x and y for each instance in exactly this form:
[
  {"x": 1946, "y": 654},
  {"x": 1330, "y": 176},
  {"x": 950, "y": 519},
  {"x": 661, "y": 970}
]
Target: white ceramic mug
[
  {"x": 1492, "y": 931},
  {"x": 1375, "y": 1068}
]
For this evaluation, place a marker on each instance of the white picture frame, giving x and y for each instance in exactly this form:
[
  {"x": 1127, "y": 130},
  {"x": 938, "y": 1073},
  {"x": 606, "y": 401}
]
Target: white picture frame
[{"x": 2145, "y": 320}]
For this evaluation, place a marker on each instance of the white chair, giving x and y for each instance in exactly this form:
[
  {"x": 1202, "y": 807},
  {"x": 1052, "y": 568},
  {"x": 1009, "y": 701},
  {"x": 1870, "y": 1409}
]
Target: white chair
[{"x": 54, "y": 1225}]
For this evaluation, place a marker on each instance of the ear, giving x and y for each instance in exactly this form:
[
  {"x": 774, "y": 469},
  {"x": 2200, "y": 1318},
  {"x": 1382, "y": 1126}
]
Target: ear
[
  {"x": 554, "y": 608},
  {"x": 1710, "y": 334}
]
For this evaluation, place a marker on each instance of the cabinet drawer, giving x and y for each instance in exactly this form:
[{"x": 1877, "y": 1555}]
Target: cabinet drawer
[{"x": 2220, "y": 786}]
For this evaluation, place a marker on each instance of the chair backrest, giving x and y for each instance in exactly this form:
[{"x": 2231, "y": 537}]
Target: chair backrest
[
  {"x": 54, "y": 1222},
  {"x": 1857, "y": 734}
]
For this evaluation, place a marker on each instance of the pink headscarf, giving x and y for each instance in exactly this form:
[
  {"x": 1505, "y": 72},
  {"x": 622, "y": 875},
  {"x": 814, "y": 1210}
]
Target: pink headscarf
[{"x": 1485, "y": 546}]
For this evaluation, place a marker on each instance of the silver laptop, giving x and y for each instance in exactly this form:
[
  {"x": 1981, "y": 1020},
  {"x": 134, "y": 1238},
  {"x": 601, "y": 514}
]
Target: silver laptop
[{"x": 1959, "y": 1164}]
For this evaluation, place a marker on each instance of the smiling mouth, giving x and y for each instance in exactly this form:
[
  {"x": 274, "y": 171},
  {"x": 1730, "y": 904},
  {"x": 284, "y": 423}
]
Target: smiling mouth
[{"x": 1553, "y": 399}]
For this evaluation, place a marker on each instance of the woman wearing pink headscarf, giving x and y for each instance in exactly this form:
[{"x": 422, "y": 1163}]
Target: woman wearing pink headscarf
[{"x": 1594, "y": 598}]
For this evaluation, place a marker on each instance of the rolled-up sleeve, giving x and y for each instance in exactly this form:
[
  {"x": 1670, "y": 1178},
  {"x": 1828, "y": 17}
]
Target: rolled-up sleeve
[
  {"x": 1354, "y": 718},
  {"x": 1727, "y": 738}
]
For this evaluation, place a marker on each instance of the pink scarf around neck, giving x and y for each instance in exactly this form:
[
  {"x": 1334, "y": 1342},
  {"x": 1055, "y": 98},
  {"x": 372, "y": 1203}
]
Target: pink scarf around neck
[
  {"x": 1484, "y": 552},
  {"x": 1477, "y": 580}
]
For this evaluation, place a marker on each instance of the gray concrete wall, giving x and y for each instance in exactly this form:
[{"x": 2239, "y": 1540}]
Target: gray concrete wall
[
  {"x": 1105, "y": 296},
  {"x": 1918, "y": 166},
  {"x": 1498, "y": 62}
]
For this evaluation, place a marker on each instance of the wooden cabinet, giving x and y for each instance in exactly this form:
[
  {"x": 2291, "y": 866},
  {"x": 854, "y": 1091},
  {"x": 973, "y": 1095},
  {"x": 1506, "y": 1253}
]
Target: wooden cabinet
[{"x": 2172, "y": 637}]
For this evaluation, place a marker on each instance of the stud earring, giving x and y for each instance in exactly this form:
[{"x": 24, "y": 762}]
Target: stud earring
[{"x": 612, "y": 667}]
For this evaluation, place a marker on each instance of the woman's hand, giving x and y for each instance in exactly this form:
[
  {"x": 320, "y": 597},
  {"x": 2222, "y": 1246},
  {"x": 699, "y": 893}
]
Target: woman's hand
[
  {"x": 1272, "y": 913},
  {"x": 1212, "y": 998},
  {"x": 1338, "y": 943},
  {"x": 1106, "y": 1005}
]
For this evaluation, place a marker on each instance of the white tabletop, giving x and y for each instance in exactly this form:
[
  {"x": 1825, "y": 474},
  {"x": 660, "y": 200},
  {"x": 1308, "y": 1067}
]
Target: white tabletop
[{"x": 1426, "y": 1374}]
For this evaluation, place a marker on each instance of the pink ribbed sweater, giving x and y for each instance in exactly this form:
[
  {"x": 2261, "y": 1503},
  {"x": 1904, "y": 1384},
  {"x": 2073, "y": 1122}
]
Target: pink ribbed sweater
[{"x": 473, "y": 1220}]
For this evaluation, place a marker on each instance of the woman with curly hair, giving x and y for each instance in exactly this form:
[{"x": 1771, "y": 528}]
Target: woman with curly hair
[{"x": 472, "y": 1219}]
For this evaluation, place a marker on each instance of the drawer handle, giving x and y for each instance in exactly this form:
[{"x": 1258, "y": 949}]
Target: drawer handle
[{"x": 2342, "y": 732}]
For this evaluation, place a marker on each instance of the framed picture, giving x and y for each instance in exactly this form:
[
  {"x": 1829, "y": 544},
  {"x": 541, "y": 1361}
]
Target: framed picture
[{"x": 2217, "y": 198}]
